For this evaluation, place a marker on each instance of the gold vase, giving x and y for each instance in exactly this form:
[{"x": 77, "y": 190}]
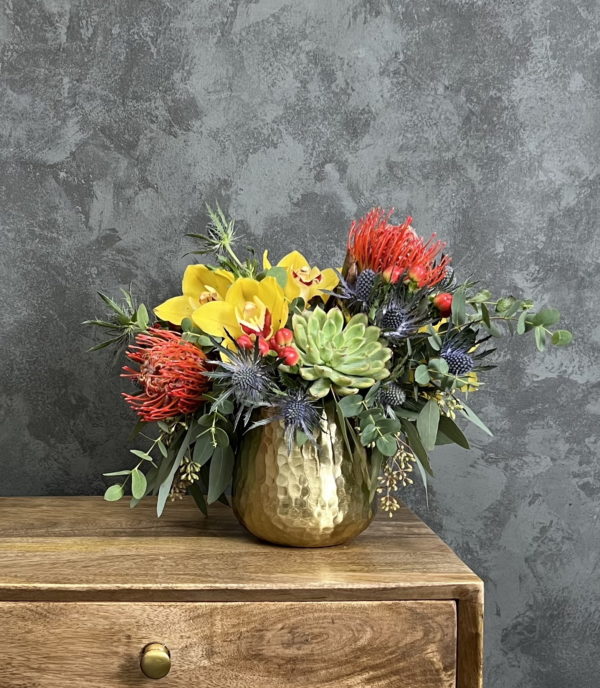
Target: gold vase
[{"x": 317, "y": 495}]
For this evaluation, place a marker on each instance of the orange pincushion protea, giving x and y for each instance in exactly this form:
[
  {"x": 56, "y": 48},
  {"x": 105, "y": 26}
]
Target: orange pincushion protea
[
  {"x": 375, "y": 244},
  {"x": 171, "y": 375}
]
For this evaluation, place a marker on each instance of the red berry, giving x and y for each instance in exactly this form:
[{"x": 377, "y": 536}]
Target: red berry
[
  {"x": 443, "y": 302},
  {"x": 244, "y": 342},
  {"x": 289, "y": 355},
  {"x": 284, "y": 337},
  {"x": 263, "y": 346},
  {"x": 392, "y": 274},
  {"x": 417, "y": 275}
]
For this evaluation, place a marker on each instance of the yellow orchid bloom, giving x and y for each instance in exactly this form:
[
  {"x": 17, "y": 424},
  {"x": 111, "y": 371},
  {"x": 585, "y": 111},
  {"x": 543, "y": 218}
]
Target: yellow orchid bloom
[
  {"x": 250, "y": 307},
  {"x": 303, "y": 280},
  {"x": 200, "y": 285}
]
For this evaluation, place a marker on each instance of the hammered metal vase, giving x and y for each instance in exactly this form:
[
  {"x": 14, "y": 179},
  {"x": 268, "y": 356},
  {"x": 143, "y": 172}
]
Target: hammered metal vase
[{"x": 317, "y": 495}]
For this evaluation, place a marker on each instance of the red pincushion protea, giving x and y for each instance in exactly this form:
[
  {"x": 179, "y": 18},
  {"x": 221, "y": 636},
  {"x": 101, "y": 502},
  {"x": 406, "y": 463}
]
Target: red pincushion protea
[
  {"x": 171, "y": 375},
  {"x": 375, "y": 244}
]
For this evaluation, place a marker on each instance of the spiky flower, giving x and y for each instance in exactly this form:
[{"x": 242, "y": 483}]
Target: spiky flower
[
  {"x": 172, "y": 375},
  {"x": 459, "y": 362},
  {"x": 298, "y": 412},
  {"x": 403, "y": 312},
  {"x": 460, "y": 350},
  {"x": 358, "y": 294},
  {"x": 375, "y": 244},
  {"x": 244, "y": 376},
  {"x": 391, "y": 394},
  {"x": 334, "y": 356},
  {"x": 364, "y": 286}
]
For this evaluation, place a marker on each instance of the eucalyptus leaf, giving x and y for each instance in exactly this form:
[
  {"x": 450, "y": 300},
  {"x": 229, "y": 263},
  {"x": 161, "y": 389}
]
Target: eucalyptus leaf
[
  {"x": 369, "y": 434},
  {"x": 165, "y": 487},
  {"x": 422, "y": 375},
  {"x": 387, "y": 445},
  {"x": 459, "y": 315},
  {"x": 350, "y": 405},
  {"x": 141, "y": 454},
  {"x": 475, "y": 419},
  {"x": 414, "y": 441},
  {"x": 203, "y": 450},
  {"x": 562, "y": 338},
  {"x": 546, "y": 317},
  {"x": 540, "y": 337},
  {"x": 521, "y": 322},
  {"x": 116, "y": 473},
  {"x": 220, "y": 474},
  {"x": 439, "y": 365},
  {"x": 427, "y": 424},
  {"x": 114, "y": 493},
  {"x": 138, "y": 483},
  {"x": 199, "y": 498},
  {"x": 451, "y": 430}
]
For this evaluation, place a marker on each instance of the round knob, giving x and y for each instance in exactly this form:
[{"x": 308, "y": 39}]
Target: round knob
[{"x": 156, "y": 660}]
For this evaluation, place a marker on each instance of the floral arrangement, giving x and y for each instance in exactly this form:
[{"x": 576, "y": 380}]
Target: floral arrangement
[{"x": 392, "y": 339}]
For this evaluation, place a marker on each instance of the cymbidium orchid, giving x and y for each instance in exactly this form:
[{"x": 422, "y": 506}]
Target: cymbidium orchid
[
  {"x": 303, "y": 280},
  {"x": 200, "y": 285},
  {"x": 250, "y": 307}
]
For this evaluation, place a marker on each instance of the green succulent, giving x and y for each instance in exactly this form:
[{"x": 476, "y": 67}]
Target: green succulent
[{"x": 337, "y": 357}]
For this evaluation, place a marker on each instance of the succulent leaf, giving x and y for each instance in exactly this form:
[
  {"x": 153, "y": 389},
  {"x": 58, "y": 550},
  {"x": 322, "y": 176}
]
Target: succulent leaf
[{"x": 339, "y": 358}]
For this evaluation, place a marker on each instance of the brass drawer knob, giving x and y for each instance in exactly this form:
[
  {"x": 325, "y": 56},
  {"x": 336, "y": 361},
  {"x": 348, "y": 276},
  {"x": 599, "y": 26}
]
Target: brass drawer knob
[{"x": 156, "y": 660}]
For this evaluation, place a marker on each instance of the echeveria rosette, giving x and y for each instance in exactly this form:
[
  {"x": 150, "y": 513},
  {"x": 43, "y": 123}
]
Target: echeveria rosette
[{"x": 337, "y": 357}]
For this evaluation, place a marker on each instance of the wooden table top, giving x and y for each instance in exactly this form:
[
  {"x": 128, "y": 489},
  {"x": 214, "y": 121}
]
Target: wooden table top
[{"x": 82, "y": 548}]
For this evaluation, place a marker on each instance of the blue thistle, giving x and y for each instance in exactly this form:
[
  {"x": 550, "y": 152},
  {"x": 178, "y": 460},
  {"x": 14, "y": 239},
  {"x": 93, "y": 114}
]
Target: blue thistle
[
  {"x": 399, "y": 320},
  {"x": 244, "y": 377},
  {"x": 361, "y": 293},
  {"x": 391, "y": 395},
  {"x": 459, "y": 362},
  {"x": 298, "y": 412},
  {"x": 456, "y": 351}
]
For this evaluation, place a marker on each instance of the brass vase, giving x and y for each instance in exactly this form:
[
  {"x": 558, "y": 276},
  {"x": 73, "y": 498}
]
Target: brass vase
[{"x": 317, "y": 495}]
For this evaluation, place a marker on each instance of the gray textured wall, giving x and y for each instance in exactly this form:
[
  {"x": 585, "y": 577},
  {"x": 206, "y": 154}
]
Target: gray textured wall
[{"x": 119, "y": 118}]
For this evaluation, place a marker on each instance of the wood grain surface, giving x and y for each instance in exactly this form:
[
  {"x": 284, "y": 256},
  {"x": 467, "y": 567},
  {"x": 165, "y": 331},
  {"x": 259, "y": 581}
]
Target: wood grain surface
[
  {"x": 233, "y": 645},
  {"x": 76, "y": 549},
  {"x": 83, "y": 550}
]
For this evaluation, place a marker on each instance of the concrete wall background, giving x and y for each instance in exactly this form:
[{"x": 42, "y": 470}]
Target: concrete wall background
[{"x": 480, "y": 119}]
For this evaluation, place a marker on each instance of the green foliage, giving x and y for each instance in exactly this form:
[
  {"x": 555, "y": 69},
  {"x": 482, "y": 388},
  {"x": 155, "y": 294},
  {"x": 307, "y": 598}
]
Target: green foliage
[
  {"x": 219, "y": 240},
  {"x": 125, "y": 320}
]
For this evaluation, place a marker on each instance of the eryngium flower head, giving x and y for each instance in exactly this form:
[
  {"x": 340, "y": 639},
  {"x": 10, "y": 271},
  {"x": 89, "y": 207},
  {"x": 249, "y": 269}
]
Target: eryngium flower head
[
  {"x": 298, "y": 412},
  {"x": 391, "y": 394},
  {"x": 171, "y": 375},
  {"x": 244, "y": 376}
]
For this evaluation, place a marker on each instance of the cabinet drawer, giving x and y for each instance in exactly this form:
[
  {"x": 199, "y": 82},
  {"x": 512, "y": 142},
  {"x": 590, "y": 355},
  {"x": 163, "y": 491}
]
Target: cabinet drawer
[{"x": 230, "y": 644}]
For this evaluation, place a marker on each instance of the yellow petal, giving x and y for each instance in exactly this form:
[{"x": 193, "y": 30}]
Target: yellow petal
[
  {"x": 330, "y": 279},
  {"x": 266, "y": 262},
  {"x": 329, "y": 282},
  {"x": 271, "y": 294},
  {"x": 197, "y": 277},
  {"x": 243, "y": 290},
  {"x": 175, "y": 310},
  {"x": 229, "y": 276},
  {"x": 293, "y": 261},
  {"x": 217, "y": 318}
]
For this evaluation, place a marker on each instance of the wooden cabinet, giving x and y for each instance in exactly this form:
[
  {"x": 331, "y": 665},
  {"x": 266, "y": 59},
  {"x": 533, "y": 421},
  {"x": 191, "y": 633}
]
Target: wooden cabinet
[{"x": 86, "y": 585}]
